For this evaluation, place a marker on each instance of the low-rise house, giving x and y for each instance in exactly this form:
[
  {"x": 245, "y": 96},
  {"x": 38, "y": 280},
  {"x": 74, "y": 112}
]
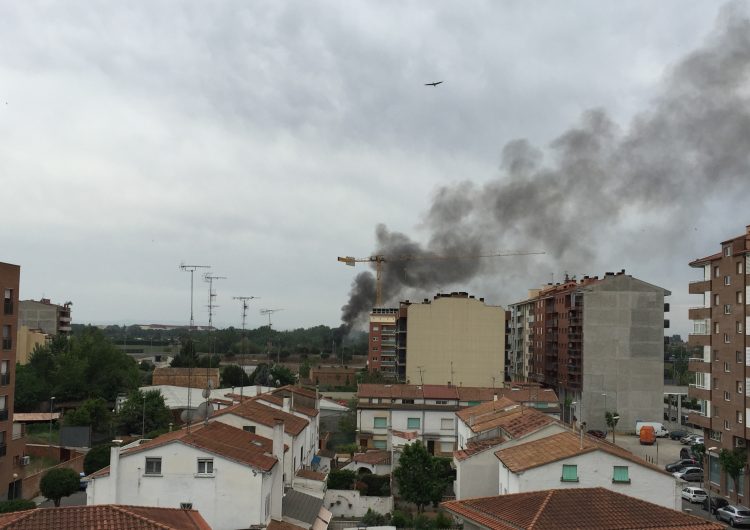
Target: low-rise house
[
  {"x": 484, "y": 429},
  {"x": 376, "y": 462},
  {"x": 255, "y": 416},
  {"x": 109, "y": 516},
  {"x": 306, "y": 511},
  {"x": 582, "y": 508},
  {"x": 569, "y": 460},
  {"x": 293, "y": 402},
  {"x": 233, "y": 477}
]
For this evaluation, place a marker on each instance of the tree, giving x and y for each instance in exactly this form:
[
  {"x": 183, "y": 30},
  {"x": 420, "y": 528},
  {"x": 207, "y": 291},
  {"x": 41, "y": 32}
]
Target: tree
[
  {"x": 282, "y": 375},
  {"x": 341, "y": 479},
  {"x": 612, "y": 418},
  {"x": 97, "y": 458},
  {"x": 157, "y": 417},
  {"x": 233, "y": 375},
  {"x": 421, "y": 477},
  {"x": 58, "y": 483},
  {"x": 187, "y": 356},
  {"x": 93, "y": 412},
  {"x": 304, "y": 369},
  {"x": 733, "y": 463}
]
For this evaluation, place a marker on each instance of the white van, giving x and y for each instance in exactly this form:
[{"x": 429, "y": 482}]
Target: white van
[{"x": 659, "y": 429}]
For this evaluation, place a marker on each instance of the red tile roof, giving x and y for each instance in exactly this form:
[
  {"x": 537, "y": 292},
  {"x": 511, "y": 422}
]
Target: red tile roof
[
  {"x": 279, "y": 402},
  {"x": 558, "y": 447},
  {"x": 406, "y": 435},
  {"x": 475, "y": 447},
  {"x": 579, "y": 508},
  {"x": 707, "y": 259},
  {"x": 217, "y": 438},
  {"x": 104, "y": 516},
  {"x": 311, "y": 475},
  {"x": 512, "y": 419},
  {"x": 302, "y": 391},
  {"x": 373, "y": 457},
  {"x": 476, "y": 412},
  {"x": 440, "y": 392},
  {"x": 258, "y": 412}
]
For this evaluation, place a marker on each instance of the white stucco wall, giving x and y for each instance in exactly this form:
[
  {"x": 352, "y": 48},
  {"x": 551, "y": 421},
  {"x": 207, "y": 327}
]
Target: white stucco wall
[
  {"x": 477, "y": 476},
  {"x": 349, "y": 503},
  {"x": 595, "y": 470},
  {"x": 232, "y": 498}
]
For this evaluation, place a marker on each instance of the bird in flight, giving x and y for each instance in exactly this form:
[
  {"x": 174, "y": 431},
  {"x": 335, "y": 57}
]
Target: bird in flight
[{"x": 436, "y": 83}]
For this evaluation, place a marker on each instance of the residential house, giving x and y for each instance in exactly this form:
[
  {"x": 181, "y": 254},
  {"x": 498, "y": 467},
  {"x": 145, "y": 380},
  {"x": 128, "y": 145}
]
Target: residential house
[
  {"x": 581, "y": 508},
  {"x": 231, "y": 476},
  {"x": 572, "y": 460},
  {"x": 109, "y": 516}
]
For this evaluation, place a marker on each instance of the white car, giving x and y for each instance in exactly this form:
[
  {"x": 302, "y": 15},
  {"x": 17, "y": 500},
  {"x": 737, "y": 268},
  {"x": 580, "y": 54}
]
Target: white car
[
  {"x": 694, "y": 494},
  {"x": 697, "y": 440}
]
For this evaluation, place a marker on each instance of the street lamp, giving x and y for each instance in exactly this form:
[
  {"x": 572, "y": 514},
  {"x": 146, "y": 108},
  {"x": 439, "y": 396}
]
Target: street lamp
[
  {"x": 708, "y": 465},
  {"x": 51, "y": 403}
]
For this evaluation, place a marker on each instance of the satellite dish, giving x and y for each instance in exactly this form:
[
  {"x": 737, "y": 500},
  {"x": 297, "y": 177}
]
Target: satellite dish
[
  {"x": 206, "y": 392},
  {"x": 187, "y": 415},
  {"x": 203, "y": 411}
]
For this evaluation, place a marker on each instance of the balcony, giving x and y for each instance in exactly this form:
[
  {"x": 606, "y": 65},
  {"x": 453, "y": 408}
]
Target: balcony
[
  {"x": 699, "y": 340},
  {"x": 699, "y": 286},
  {"x": 697, "y": 364},
  {"x": 699, "y": 392},
  {"x": 699, "y": 313},
  {"x": 696, "y": 418}
]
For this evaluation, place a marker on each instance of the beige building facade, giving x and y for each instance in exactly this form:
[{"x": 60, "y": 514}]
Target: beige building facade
[
  {"x": 28, "y": 340},
  {"x": 455, "y": 339}
]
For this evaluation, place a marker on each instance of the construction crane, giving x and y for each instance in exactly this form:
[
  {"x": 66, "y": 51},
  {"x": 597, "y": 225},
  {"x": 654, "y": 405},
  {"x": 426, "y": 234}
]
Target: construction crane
[{"x": 380, "y": 259}]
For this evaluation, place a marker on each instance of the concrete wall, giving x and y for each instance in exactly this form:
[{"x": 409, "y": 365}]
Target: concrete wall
[
  {"x": 232, "y": 498},
  {"x": 463, "y": 331},
  {"x": 596, "y": 470},
  {"x": 38, "y": 315},
  {"x": 623, "y": 352},
  {"x": 349, "y": 503},
  {"x": 477, "y": 476}
]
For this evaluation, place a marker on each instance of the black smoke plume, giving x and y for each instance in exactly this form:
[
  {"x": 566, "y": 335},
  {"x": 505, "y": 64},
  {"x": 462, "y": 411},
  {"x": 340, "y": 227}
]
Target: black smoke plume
[{"x": 690, "y": 144}]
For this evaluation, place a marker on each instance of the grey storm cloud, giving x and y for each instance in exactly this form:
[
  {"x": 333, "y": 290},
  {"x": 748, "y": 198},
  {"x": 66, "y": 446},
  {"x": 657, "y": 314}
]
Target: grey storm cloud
[{"x": 690, "y": 144}]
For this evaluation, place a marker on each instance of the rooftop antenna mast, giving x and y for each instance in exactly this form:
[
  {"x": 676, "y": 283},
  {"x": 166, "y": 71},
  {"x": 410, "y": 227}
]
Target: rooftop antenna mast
[
  {"x": 244, "y": 300},
  {"x": 191, "y": 269},
  {"x": 421, "y": 374},
  {"x": 209, "y": 278},
  {"x": 270, "y": 312}
]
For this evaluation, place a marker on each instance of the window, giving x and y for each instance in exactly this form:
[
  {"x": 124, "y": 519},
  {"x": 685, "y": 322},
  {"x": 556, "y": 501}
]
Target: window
[
  {"x": 714, "y": 468},
  {"x": 716, "y": 328},
  {"x": 4, "y": 375},
  {"x": 727, "y": 280},
  {"x": 7, "y": 340},
  {"x": 375, "y": 348},
  {"x": 374, "y": 339},
  {"x": 441, "y": 402},
  {"x": 716, "y": 299},
  {"x": 413, "y": 423},
  {"x": 379, "y": 444},
  {"x": 739, "y": 327},
  {"x": 738, "y": 297},
  {"x": 569, "y": 473},
  {"x": 739, "y": 387},
  {"x": 728, "y": 250},
  {"x": 739, "y": 267},
  {"x": 727, "y": 338},
  {"x": 727, "y": 309},
  {"x": 375, "y": 327},
  {"x": 726, "y": 424},
  {"x": 716, "y": 272},
  {"x": 186, "y": 506},
  {"x": 249, "y": 428},
  {"x": 153, "y": 466},
  {"x": 727, "y": 396},
  {"x": 407, "y": 401},
  {"x": 474, "y": 403},
  {"x": 205, "y": 466},
  {"x": 8, "y": 302},
  {"x": 446, "y": 424},
  {"x": 739, "y": 357},
  {"x": 620, "y": 474},
  {"x": 380, "y": 423},
  {"x": 446, "y": 447},
  {"x": 716, "y": 355},
  {"x": 727, "y": 368},
  {"x": 739, "y": 416},
  {"x": 715, "y": 435}
]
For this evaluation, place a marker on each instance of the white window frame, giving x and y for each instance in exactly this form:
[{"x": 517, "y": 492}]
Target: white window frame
[
  {"x": 154, "y": 461},
  {"x": 448, "y": 422},
  {"x": 205, "y": 466}
]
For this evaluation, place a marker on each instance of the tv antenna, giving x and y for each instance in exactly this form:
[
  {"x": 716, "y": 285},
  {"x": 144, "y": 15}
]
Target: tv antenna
[
  {"x": 270, "y": 312},
  {"x": 245, "y": 300},
  {"x": 209, "y": 278},
  {"x": 191, "y": 269}
]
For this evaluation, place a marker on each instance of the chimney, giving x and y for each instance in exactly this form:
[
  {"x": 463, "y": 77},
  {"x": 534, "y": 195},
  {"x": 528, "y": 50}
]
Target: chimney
[
  {"x": 277, "y": 488},
  {"x": 287, "y": 404},
  {"x": 114, "y": 469}
]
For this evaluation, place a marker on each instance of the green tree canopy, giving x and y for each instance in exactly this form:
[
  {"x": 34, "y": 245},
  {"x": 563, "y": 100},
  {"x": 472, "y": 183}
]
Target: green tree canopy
[
  {"x": 733, "y": 463},
  {"x": 422, "y": 478},
  {"x": 233, "y": 375},
  {"x": 97, "y": 458},
  {"x": 131, "y": 419},
  {"x": 94, "y": 412},
  {"x": 58, "y": 483}
]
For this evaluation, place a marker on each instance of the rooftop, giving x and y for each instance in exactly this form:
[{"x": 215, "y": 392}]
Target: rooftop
[
  {"x": 512, "y": 419},
  {"x": 475, "y": 447},
  {"x": 296, "y": 407},
  {"x": 109, "y": 516},
  {"x": 562, "y": 509},
  {"x": 258, "y": 412},
  {"x": 373, "y": 457}
]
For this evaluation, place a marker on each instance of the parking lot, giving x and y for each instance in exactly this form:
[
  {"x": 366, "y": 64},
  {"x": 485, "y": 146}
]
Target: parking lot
[{"x": 663, "y": 452}]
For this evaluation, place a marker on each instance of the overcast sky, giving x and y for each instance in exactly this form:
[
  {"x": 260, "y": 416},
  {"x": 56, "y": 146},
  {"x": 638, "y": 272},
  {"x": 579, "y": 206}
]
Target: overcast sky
[{"x": 267, "y": 138}]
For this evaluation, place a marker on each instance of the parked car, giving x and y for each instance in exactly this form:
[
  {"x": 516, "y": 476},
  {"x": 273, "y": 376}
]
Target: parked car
[
  {"x": 689, "y": 438},
  {"x": 689, "y": 474},
  {"x": 677, "y": 435},
  {"x": 692, "y": 494},
  {"x": 685, "y": 462},
  {"x": 716, "y": 503},
  {"x": 733, "y": 515},
  {"x": 697, "y": 441},
  {"x": 597, "y": 433},
  {"x": 646, "y": 435},
  {"x": 659, "y": 429}
]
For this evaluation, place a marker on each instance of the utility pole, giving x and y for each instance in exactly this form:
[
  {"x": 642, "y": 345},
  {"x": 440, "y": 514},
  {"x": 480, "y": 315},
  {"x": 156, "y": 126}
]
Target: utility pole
[
  {"x": 191, "y": 269},
  {"x": 245, "y": 300}
]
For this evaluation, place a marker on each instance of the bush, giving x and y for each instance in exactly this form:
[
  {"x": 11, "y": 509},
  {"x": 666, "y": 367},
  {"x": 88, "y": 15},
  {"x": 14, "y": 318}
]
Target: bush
[
  {"x": 421, "y": 521},
  {"x": 443, "y": 520},
  {"x": 401, "y": 519},
  {"x": 16, "y": 505},
  {"x": 372, "y": 518},
  {"x": 96, "y": 459},
  {"x": 377, "y": 485},
  {"x": 58, "y": 483},
  {"x": 341, "y": 479}
]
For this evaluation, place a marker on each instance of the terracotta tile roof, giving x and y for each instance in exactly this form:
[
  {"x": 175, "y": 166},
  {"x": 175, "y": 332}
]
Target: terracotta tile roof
[
  {"x": 440, "y": 392},
  {"x": 468, "y": 393},
  {"x": 485, "y": 408},
  {"x": 302, "y": 391},
  {"x": 512, "y": 419},
  {"x": 101, "y": 516},
  {"x": 311, "y": 475},
  {"x": 406, "y": 435},
  {"x": 237, "y": 397},
  {"x": 707, "y": 259},
  {"x": 279, "y": 401},
  {"x": 283, "y": 525},
  {"x": 562, "y": 509},
  {"x": 373, "y": 457},
  {"x": 258, "y": 412},
  {"x": 529, "y": 394},
  {"x": 558, "y": 447},
  {"x": 217, "y": 438},
  {"x": 475, "y": 447}
]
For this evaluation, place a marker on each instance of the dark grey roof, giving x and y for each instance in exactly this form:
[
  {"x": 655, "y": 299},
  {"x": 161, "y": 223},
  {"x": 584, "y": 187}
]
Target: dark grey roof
[{"x": 304, "y": 508}]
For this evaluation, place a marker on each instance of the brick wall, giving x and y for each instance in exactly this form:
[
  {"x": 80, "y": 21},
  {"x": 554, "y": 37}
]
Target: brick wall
[
  {"x": 30, "y": 484},
  {"x": 183, "y": 377}
]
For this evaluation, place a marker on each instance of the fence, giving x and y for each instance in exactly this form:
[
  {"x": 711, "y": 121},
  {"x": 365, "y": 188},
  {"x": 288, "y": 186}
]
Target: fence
[{"x": 30, "y": 484}]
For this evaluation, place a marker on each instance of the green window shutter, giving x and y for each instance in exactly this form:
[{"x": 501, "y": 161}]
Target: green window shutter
[
  {"x": 412, "y": 423},
  {"x": 570, "y": 473},
  {"x": 380, "y": 423},
  {"x": 621, "y": 474},
  {"x": 474, "y": 403},
  {"x": 379, "y": 444}
]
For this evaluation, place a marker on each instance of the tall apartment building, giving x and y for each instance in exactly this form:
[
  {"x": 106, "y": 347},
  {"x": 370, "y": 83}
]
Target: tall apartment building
[
  {"x": 11, "y": 444},
  {"x": 453, "y": 339},
  {"x": 598, "y": 342},
  {"x": 720, "y": 332},
  {"x": 43, "y": 315}
]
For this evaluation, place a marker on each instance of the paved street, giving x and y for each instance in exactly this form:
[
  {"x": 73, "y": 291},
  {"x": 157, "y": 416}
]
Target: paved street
[
  {"x": 77, "y": 499},
  {"x": 663, "y": 452}
]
